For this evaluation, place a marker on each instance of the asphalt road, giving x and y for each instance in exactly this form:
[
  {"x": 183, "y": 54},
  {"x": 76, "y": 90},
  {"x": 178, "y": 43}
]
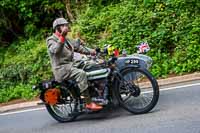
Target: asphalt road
[{"x": 178, "y": 111}]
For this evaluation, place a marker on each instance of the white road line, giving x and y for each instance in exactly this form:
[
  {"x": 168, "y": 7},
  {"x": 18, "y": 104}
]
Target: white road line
[
  {"x": 43, "y": 108},
  {"x": 23, "y": 111},
  {"x": 173, "y": 88},
  {"x": 177, "y": 87}
]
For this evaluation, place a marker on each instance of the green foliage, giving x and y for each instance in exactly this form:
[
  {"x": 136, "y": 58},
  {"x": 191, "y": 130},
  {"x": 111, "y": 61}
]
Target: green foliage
[
  {"x": 26, "y": 63},
  {"x": 171, "y": 27},
  {"x": 25, "y": 18},
  {"x": 21, "y": 91}
]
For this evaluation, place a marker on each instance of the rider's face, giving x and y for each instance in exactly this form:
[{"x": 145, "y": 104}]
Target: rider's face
[{"x": 65, "y": 29}]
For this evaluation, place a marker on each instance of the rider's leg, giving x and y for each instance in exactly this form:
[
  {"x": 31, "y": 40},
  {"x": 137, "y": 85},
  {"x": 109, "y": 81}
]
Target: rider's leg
[{"x": 81, "y": 78}]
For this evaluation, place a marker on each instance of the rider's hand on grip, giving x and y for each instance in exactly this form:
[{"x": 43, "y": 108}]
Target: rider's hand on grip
[{"x": 93, "y": 52}]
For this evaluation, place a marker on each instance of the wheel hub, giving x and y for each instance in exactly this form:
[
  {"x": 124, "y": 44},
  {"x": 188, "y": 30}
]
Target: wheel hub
[{"x": 136, "y": 91}]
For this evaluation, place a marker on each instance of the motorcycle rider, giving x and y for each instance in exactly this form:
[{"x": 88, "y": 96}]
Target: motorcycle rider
[{"x": 61, "y": 51}]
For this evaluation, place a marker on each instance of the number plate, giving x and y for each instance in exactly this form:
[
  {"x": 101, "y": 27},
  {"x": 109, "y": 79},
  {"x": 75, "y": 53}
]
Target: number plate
[{"x": 132, "y": 61}]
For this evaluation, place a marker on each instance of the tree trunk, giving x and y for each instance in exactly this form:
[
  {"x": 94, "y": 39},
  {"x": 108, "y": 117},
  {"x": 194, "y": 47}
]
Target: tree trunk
[{"x": 68, "y": 9}]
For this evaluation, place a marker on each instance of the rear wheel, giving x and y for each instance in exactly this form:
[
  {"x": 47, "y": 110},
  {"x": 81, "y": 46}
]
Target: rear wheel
[
  {"x": 138, "y": 91},
  {"x": 64, "y": 111}
]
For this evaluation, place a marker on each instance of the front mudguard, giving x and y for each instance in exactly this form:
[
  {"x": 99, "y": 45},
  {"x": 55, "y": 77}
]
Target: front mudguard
[{"x": 144, "y": 61}]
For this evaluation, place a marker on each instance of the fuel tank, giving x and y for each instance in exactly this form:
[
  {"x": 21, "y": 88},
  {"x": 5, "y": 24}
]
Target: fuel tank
[{"x": 98, "y": 74}]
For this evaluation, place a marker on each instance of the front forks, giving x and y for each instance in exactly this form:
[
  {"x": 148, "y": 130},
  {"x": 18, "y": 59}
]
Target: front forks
[{"x": 130, "y": 86}]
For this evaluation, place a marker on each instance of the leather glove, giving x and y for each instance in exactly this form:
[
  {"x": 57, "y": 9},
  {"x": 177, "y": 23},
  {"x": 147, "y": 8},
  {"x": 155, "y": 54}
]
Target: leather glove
[{"x": 61, "y": 38}]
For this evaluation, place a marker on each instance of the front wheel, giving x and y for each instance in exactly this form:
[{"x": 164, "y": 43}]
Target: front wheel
[{"x": 137, "y": 90}]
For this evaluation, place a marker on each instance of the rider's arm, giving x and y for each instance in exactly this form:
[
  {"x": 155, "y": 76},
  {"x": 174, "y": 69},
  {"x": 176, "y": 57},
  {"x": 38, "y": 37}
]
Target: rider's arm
[
  {"x": 84, "y": 50},
  {"x": 53, "y": 46},
  {"x": 81, "y": 49}
]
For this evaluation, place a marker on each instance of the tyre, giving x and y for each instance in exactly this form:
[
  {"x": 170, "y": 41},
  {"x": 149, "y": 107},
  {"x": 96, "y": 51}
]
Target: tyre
[
  {"x": 64, "y": 111},
  {"x": 138, "y": 91}
]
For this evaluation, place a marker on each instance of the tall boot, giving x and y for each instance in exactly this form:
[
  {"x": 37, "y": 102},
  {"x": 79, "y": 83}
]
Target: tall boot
[
  {"x": 89, "y": 104},
  {"x": 86, "y": 96}
]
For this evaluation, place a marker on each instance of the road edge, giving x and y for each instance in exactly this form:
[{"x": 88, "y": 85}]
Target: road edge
[{"x": 161, "y": 82}]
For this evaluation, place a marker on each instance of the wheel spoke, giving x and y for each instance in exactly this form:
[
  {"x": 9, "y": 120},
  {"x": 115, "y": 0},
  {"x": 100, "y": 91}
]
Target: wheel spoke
[
  {"x": 140, "y": 91},
  {"x": 126, "y": 99},
  {"x": 65, "y": 109}
]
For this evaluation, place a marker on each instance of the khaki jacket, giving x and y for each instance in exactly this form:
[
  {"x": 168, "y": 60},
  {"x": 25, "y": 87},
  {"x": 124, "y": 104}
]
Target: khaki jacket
[{"x": 61, "y": 56}]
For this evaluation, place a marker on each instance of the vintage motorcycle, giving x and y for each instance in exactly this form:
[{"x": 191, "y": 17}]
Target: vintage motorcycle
[{"x": 120, "y": 81}]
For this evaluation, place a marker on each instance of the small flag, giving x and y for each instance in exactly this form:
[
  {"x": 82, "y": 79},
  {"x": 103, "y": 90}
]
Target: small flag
[{"x": 143, "y": 47}]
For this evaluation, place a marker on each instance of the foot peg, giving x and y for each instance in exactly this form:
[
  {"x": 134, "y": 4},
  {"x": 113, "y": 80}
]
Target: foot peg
[{"x": 100, "y": 100}]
